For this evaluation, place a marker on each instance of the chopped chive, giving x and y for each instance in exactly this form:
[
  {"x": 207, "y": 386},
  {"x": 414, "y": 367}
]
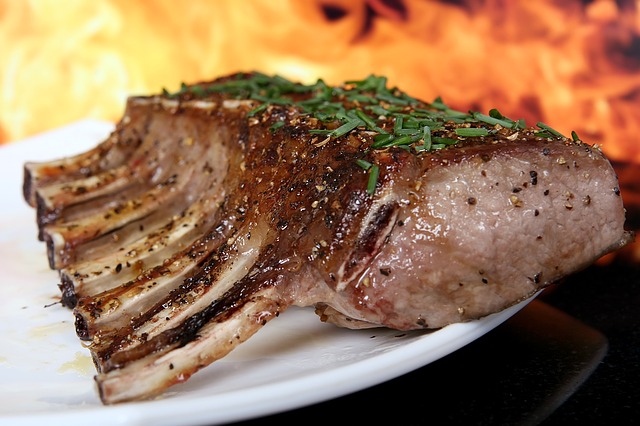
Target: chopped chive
[
  {"x": 387, "y": 97},
  {"x": 426, "y": 132},
  {"x": 363, "y": 163},
  {"x": 378, "y": 110},
  {"x": 347, "y": 127},
  {"x": 493, "y": 112},
  {"x": 398, "y": 124},
  {"x": 409, "y": 99},
  {"x": 472, "y": 131},
  {"x": 402, "y": 140},
  {"x": 493, "y": 120},
  {"x": 275, "y": 126},
  {"x": 382, "y": 140},
  {"x": 549, "y": 129},
  {"x": 341, "y": 114},
  {"x": 324, "y": 116},
  {"x": 574, "y": 136},
  {"x": 405, "y": 131},
  {"x": 368, "y": 121},
  {"x": 374, "y": 172},
  {"x": 361, "y": 98},
  {"x": 438, "y": 104},
  {"x": 544, "y": 134},
  {"x": 257, "y": 109},
  {"x": 411, "y": 123}
]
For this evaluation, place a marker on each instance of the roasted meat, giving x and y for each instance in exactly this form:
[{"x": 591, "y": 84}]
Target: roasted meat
[{"x": 210, "y": 210}]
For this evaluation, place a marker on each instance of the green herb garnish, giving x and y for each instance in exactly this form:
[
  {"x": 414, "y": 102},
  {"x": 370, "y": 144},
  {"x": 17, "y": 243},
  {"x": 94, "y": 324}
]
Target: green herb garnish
[
  {"x": 374, "y": 172},
  {"x": 472, "y": 131},
  {"x": 366, "y": 104},
  {"x": 548, "y": 130}
]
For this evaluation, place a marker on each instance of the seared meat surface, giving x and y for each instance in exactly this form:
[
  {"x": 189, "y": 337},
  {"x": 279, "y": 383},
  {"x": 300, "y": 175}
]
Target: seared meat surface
[{"x": 209, "y": 211}]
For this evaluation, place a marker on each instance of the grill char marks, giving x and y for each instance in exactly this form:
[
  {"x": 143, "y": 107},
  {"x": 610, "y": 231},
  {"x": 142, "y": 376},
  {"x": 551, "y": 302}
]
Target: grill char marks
[
  {"x": 204, "y": 216},
  {"x": 376, "y": 228}
]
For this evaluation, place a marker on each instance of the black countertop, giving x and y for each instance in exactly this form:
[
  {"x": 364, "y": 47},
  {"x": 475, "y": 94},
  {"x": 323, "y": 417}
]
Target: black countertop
[{"x": 571, "y": 357}]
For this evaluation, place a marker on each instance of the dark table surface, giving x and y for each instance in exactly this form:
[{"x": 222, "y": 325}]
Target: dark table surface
[{"x": 571, "y": 357}]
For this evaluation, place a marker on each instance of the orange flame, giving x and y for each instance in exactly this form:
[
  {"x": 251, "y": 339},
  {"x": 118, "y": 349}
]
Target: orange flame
[{"x": 573, "y": 65}]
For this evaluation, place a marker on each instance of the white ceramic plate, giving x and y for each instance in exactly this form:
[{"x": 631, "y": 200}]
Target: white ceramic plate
[{"x": 46, "y": 375}]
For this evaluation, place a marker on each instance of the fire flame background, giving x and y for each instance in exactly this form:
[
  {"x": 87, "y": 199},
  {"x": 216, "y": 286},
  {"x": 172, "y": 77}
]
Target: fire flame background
[{"x": 573, "y": 64}]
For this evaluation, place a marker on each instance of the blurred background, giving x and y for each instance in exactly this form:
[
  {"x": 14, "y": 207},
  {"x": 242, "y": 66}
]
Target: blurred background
[{"x": 573, "y": 64}]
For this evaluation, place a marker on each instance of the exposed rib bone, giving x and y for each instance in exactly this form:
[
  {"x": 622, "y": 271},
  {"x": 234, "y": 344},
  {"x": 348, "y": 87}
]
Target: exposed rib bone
[{"x": 178, "y": 357}]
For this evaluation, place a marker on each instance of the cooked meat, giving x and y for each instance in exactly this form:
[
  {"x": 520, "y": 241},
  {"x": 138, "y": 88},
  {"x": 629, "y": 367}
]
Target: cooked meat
[{"x": 209, "y": 211}]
